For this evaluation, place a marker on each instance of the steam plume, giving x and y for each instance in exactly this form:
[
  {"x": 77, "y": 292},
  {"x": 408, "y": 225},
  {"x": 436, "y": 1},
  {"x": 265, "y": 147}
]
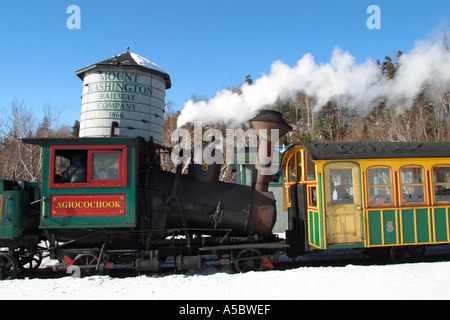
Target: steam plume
[{"x": 341, "y": 79}]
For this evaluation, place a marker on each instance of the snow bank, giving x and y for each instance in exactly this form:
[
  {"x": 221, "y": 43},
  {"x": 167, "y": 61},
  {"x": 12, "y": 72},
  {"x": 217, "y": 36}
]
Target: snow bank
[{"x": 407, "y": 281}]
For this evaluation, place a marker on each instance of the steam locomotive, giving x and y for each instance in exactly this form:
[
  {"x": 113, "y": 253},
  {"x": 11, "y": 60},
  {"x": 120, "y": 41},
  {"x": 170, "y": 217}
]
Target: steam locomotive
[{"x": 114, "y": 207}]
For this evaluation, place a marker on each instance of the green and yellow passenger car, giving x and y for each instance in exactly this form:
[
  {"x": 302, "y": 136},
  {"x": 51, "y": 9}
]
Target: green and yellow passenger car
[{"x": 367, "y": 195}]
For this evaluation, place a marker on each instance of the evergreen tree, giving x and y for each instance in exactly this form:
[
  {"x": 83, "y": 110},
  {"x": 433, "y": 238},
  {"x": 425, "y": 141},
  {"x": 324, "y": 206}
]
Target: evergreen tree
[
  {"x": 248, "y": 79},
  {"x": 44, "y": 128},
  {"x": 75, "y": 129}
]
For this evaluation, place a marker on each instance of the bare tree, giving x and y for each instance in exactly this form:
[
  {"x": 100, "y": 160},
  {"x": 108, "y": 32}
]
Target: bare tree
[
  {"x": 170, "y": 126},
  {"x": 19, "y": 161}
]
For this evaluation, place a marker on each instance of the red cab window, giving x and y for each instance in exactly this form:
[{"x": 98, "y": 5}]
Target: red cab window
[
  {"x": 105, "y": 166},
  {"x": 88, "y": 166}
]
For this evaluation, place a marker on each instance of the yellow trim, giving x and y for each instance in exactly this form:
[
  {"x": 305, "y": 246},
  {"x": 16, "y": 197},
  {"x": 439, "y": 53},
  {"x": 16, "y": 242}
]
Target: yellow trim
[
  {"x": 313, "y": 228},
  {"x": 429, "y": 226},
  {"x": 43, "y": 207},
  {"x": 448, "y": 227},
  {"x": 433, "y": 217},
  {"x": 324, "y": 221},
  {"x": 397, "y": 234}
]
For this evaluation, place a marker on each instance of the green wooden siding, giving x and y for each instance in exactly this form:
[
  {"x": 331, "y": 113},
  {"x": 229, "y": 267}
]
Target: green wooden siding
[
  {"x": 441, "y": 224},
  {"x": 389, "y": 227},
  {"x": 314, "y": 227},
  {"x": 407, "y": 226}
]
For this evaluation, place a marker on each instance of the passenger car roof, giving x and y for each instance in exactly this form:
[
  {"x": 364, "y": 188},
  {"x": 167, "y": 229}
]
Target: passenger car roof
[{"x": 376, "y": 150}]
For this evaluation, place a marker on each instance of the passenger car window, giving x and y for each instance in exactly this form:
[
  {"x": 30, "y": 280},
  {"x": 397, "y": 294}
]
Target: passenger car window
[
  {"x": 380, "y": 187},
  {"x": 299, "y": 166},
  {"x": 441, "y": 182},
  {"x": 412, "y": 185},
  {"x": 310, "y": 168},
  {"x": 341, "y": 182},
  {"x": 312, "y": 196},
  {"x": 292, "y": 176}
]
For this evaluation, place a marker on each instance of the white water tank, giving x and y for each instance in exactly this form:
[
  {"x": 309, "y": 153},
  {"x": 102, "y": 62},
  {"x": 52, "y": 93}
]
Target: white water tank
[{"x": 127, "y": 89}]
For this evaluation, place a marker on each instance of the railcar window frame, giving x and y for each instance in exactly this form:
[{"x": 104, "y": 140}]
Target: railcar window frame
[
  {"x": 291, "y": 164},
  {"x": 93, "y": 170},
  {"x": 291, "y": 176},
  {"x": 90, "y": 151},
  {"x": 310, "y": 167},
  {"x": 312, "y": 196},
  {"x": 412, "y": 186},
  {"x": 437, "y": 184},
  {"x": 299, "y": 166},
  {"x": 380, "y": 201},
  {"x": 342, "y": 186}
]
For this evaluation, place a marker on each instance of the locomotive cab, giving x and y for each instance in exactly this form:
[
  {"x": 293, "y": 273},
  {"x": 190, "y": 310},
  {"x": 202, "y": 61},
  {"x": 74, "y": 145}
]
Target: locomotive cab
[{"x": 90, "y": 182}]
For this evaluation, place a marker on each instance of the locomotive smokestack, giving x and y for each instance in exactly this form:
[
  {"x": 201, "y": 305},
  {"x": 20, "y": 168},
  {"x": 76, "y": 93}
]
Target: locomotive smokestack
[{"x": 268, "y": 124}]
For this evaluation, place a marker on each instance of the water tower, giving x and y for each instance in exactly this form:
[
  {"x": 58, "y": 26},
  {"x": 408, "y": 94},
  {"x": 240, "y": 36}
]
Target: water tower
[{"x": 127, "y": 89}]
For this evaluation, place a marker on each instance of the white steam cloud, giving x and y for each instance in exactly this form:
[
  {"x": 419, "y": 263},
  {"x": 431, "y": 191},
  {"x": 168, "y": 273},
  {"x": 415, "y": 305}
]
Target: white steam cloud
[{"x": 341, "y": 79}]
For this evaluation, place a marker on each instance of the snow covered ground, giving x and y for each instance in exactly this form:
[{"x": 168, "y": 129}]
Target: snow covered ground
[{"x": 429, "y": 280}]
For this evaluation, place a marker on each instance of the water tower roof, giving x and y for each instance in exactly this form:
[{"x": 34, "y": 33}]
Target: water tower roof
[{"x": 129, "y": 60}]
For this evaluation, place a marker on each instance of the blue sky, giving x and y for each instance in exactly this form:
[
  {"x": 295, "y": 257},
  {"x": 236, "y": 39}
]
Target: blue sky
[{"x": 205, "y": 45}]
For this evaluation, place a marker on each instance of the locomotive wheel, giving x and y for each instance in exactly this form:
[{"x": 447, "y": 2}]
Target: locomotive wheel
[
  {"x": 87, "y": 263},
  {"x": 8, "y": 266},
  {"x": 404, "y": 254},
  {"x": 29, "y": 261},
  {"x": 248, "y": 260}
]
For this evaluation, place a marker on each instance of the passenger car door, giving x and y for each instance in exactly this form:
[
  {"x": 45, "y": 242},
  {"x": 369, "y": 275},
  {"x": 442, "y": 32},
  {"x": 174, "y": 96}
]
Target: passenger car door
[{"x": 343, "y": 203}]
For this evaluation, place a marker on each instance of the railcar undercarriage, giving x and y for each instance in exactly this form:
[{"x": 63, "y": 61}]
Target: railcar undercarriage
[{"x": 180, "y": 249}]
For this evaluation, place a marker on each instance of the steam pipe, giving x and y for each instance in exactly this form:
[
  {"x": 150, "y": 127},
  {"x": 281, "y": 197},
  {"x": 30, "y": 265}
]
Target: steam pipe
[{"x": 265, "y": 123}]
